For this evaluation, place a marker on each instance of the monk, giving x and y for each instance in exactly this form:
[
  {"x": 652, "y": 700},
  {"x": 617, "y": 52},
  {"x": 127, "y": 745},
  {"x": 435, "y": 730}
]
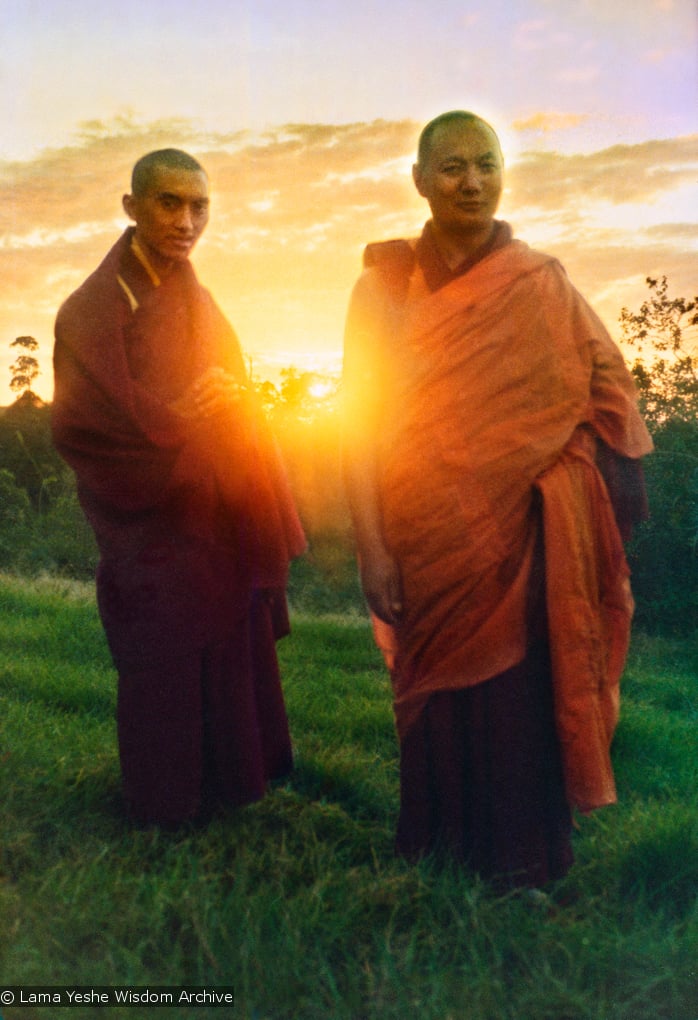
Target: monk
[
  {"x": 492, "y": 465},
  {"x": 180, "y": 480}
]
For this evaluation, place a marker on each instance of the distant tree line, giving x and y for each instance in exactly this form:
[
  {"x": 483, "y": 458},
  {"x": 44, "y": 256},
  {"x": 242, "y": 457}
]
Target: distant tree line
[{"x": 42, "y": 528}]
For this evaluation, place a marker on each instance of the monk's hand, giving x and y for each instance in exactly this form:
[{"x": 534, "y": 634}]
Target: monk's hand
[
  {"x": 212, "y": 392},
  {"x": 382, "y": 586}
]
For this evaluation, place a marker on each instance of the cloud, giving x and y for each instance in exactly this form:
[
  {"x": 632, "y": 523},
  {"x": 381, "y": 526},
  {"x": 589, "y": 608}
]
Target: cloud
[
  {"x": 294, "y": 205},
  {"x": 678, "y": 234},
  {"x": 635, "y": 174},
  {"x": 545, "y": 122}
]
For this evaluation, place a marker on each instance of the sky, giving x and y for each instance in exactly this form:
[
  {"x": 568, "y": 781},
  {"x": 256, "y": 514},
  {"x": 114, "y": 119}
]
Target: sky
[{"x": 306, "y": 115}]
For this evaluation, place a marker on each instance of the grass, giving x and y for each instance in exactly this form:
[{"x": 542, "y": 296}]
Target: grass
[{"x": 297, "y": 901}]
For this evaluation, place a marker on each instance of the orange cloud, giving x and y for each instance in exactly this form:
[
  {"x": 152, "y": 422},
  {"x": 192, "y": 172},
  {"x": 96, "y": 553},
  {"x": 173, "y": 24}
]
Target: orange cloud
[
  {"x": 550, "y": 121},
  {"x": 293, "y": 207}
]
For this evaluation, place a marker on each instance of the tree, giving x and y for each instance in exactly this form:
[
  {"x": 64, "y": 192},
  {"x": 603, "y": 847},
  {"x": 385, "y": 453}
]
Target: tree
[
  {"x": 663, "y": 554},
  {"x": 668, "y": 329},
  {"x": 26, "y": 449},
  {"x": 25, "y": 368}
]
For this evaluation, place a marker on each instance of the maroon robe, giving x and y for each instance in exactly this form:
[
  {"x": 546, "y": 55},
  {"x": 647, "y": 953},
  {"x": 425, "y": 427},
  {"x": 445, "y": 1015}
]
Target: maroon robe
[{"x": 195, "y": 525}]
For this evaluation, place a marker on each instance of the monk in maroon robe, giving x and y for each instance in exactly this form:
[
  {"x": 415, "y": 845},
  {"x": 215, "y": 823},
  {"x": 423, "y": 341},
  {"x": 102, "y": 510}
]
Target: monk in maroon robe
[
  {"x": 492, "y": 464},
  {"x": 180, "y": 479}
]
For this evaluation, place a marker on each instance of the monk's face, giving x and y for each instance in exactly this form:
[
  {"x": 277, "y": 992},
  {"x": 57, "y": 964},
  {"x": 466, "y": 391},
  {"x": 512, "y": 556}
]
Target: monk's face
[
  {"x": 461, "y": 177},
  {"x": 172, "y": 214}
]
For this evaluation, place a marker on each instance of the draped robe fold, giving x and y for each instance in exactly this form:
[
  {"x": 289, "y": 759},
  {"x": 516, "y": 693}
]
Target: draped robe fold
[
  {"x": 494, "y": 390},
  {"x": 195, "y": 526}
]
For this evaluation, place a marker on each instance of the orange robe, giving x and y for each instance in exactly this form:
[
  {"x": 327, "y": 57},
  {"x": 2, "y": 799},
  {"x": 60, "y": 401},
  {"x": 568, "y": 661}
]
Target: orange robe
[{"x": 494, "y": 389}]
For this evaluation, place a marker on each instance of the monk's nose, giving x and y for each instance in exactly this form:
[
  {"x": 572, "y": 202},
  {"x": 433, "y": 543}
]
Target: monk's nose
[
  {"x": 185, "y": 220},
  {"x": 471, "y": 181}
]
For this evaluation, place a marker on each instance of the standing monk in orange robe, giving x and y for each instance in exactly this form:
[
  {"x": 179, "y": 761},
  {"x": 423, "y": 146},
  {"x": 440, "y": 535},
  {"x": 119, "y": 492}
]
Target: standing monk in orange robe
[
  {"x": 492, "y": 468},
  {"x": 181, "y": 482}
]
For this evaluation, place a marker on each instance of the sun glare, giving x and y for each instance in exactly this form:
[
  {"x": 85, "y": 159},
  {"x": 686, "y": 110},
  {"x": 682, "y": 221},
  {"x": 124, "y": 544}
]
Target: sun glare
[{"x": 320, "y": 389}]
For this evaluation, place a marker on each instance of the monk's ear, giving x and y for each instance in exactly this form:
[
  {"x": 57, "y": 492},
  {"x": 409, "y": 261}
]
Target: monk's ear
[
  {"x": 418, "y": 178},
  {"x": 129, "y": 204}
]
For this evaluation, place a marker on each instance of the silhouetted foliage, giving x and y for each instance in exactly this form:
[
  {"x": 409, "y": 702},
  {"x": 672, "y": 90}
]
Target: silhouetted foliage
[
  {"x": 25, "y": 368},
  {"x": 26, "y": 449},
  {"x": 305, "y": 415},
  {"x": 664, "y": 551},
  {"x": 15, "y": 518},
  {"x": 666, "y": 329}
]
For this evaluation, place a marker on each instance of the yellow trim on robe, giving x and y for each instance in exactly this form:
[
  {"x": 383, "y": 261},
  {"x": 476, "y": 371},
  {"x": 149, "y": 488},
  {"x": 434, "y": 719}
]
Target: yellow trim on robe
[
  {"x": 132, "y": 299},
  {"x": 143, "y": 259}
]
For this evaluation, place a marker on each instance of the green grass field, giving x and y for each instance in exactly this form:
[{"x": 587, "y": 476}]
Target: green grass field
[{"x": 297, "y": 901}]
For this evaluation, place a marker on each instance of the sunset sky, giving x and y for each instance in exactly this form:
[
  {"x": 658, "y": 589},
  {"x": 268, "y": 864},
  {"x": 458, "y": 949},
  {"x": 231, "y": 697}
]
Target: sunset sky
[{"x": 306, "y": 114}]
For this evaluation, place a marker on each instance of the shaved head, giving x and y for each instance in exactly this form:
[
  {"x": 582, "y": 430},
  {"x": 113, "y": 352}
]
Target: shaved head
[
  {"x": 173, "y": 159},
  {"x": 445, "y": 120}
]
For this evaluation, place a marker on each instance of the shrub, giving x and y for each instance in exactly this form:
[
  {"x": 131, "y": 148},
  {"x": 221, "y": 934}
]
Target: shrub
[{"x": 15, "y": 519}]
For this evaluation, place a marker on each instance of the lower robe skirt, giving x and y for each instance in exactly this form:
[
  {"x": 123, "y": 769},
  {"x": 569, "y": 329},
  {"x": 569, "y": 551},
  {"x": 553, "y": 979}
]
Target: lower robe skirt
[
  {"x": 205, "y": 728},
  {"x": 480, "y": 777},
  {"x": 480, "y": 770}
]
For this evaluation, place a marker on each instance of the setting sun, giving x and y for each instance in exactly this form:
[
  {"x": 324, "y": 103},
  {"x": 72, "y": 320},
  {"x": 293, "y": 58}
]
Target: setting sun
[{"x": 321, "y": 389}]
